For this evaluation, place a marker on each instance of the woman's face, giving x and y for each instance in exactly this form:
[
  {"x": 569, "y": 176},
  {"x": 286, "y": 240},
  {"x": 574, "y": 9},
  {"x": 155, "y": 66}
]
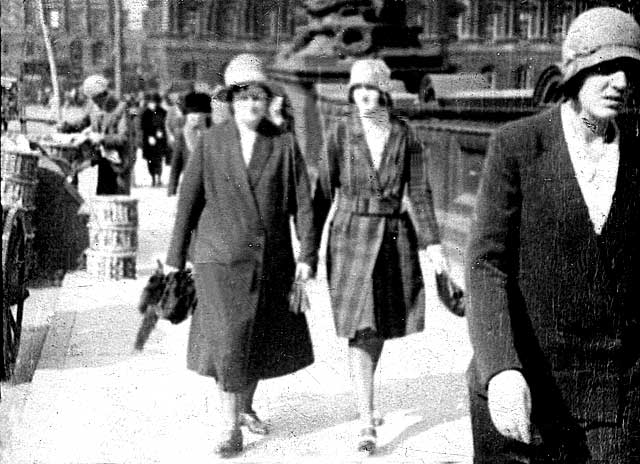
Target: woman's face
[
  {"x": 250, "y": 105},
  {"x": 605, "y": 91},
  {"x": 367, "y": 99}
]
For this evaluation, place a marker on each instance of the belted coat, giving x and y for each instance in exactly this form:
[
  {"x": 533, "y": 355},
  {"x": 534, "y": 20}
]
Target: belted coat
[
  {"x": 369, "y": 202},
  {"x": 238, "y": 218},
  {"x": 549, "y": 296}
]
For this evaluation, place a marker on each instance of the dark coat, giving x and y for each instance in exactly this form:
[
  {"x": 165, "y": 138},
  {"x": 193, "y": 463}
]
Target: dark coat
[
  {"x": 548, "y": 296},
  {"x": 242, "y": 329},
  {"x": 152, "y": 124},
  {"x": 368, "y": 201}
]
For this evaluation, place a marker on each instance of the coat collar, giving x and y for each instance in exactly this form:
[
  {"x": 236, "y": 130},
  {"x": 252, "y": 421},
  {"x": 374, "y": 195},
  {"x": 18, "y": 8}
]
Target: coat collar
[{"x": 382, "y": 174}]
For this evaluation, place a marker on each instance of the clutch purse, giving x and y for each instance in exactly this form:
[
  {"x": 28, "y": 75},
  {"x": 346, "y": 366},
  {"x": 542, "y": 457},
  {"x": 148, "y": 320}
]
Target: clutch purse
[
  {"x": 450, "y": 294},
  {"x": 298, "y": 298},
  {"x": 178, "y": 299}
]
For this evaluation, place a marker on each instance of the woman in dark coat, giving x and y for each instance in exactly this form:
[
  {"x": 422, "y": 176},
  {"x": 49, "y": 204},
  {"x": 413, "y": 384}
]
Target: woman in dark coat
[
  {"x": 239, "y": 191},
  {"x": 554, "y": 272},
  {"x": 154, "y": 137},
  {"x": 374, "y": 171}
]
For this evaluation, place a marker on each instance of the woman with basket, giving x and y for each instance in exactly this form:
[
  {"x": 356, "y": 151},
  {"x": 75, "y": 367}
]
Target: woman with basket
[
  {"x": 374, "y": 172},
  {"x": 242, "y": 184}
]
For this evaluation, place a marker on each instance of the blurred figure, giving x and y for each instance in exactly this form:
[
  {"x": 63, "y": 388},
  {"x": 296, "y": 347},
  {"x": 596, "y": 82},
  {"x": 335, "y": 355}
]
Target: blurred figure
[
  {"x": 106, "y": 127},
  {"x": 197, "y": 108},
  {"x": 174, "y": 123},
  {"x": 154, "y": 137},
  {"x": 554, "y": 266}
]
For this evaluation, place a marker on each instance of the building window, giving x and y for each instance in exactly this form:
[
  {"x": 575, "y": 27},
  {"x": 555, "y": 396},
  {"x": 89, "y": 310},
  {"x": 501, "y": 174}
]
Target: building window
[
  {"x": 54, "y": 19},
  {"x": 464, "y": 26},
  {"x": 523, "y": 77},
  {"x": 189, "y": 70},
  {"x": 98, "y": 53},
  {"x": 29, "y": 48},
  {"x": 489, "y": 73},
  {"x": 76, "y": 51}
]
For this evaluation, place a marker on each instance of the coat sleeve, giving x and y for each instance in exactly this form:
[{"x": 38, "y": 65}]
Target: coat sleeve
[
  {"x": 327, "y": 176},
  {"x": 177, "y": 164},
  {"x": 418, "y": 193},
  {"x": 190, "y": 204},
  {"x": 300, "y": 205},
  {"x": 119, "y": 138},
  {"x": 492, "y": 264}
]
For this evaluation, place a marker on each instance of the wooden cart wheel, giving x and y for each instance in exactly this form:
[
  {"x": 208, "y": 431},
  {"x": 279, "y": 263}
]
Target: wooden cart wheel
[{"x": 14, "y": 289}]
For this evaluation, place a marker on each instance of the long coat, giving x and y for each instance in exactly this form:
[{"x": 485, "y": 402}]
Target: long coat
[
  {"x": 550, "y": 297},
  {"x": 152, "y": 124},
  {"x": 367, "y": 202},
  {"x": 240, "y": 219}
]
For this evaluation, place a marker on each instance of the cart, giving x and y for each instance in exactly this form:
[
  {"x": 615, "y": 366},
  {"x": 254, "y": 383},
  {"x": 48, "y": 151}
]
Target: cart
[{"x": 16, "y": 234}]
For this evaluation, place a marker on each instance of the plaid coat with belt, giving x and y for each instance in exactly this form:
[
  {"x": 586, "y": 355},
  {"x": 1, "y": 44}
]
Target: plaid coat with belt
[{"x": 366, "y": 200}]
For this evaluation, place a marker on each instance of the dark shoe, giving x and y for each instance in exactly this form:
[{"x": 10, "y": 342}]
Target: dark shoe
[
  {"x": 230, "y": 443},
  {"x": 253, "y": 423},
  {"x": 367, "y": 440}
]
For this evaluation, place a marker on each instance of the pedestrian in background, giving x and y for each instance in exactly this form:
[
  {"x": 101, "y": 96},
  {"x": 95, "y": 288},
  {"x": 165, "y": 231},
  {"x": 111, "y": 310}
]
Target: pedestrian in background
[
  {"x": 106, "y": 126},
  {"x": 174, "y": 122},
  {"x": 197, "y": 109},
  {"x": 154, "y": 137},
  {"x": 375, "y": 171},
  {"x": 554, "y": 266},
  {"x": 241, "y": 186}
]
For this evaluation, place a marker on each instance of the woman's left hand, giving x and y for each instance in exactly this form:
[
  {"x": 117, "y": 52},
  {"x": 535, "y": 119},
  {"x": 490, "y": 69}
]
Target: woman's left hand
[
  {"x": 303, "y": 272},
  {"x": 437, "y": 258}
]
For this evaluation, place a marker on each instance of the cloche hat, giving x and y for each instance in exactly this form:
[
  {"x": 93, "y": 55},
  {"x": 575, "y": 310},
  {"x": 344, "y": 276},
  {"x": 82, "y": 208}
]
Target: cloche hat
[
  {"x": 244, "y": 69},
  {"x": 599, "y": 35},
  {"x": 95, "y": 85},
  {"x": 372, "y": 72}
]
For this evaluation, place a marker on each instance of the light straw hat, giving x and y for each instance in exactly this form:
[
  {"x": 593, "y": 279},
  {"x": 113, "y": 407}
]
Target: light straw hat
[
  {"x": 370, "y": 71},
  {"x": 244, "y": 69},
  {"x": 596, "y": 36},
  {"x": 95, "y": 85}
]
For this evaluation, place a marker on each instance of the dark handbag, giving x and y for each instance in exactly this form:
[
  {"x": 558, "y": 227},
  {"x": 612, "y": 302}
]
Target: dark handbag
[
  {"x": 178, "y": 299},
  {"x": 450, "y": 294},
  {"x": 298, "y": 298}
]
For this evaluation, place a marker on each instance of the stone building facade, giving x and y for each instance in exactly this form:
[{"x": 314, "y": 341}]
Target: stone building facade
[
  {"x": 191, "y": 40},
  {"x": 82, "y": 32}
]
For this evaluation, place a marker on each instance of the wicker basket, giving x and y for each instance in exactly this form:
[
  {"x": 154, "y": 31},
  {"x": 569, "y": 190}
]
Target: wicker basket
[
  {"x": 114, "y": 210},
  {"x": 113, "y": 238},
  {"x": 110, "y": 265},
  {"x": 19, "y": 192},
  {"x": 20, "y": 165}
]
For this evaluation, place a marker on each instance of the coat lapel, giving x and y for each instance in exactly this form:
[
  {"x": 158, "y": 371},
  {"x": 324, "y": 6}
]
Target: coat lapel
[
  {"x": 232, "y": 154},
  {"x": 262, "y": 151}
]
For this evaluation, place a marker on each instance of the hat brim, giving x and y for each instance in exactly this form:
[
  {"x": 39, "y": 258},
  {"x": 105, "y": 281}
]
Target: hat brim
[
  {"x": 582, "y": 64},
  {"x": 226, "y": 93}
]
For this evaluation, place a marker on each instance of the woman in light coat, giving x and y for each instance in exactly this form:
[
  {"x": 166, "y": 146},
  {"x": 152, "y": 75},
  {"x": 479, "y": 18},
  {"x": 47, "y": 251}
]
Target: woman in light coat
[
  {"x": 240, "y": 189},
  {"x": 554, "y": 266},
  {"x": 374, "y": 170}
]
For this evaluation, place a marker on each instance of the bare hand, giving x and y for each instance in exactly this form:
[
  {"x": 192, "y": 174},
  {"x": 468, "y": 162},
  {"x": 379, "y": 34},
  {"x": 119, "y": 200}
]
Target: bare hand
[
  {"x": 152, "y": 141},
  {"x": 95, "y": 137},
  {"x": 510, "y": 405},
  {"x": 303, "y": 272},
  {"x": 437, "y": 258}
]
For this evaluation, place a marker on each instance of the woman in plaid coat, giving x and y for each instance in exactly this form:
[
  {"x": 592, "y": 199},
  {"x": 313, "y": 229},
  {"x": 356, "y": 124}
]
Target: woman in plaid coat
[{"x": 373, "y": 169}]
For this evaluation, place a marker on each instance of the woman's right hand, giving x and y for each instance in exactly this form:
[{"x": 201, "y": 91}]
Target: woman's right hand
[{"x": 510, "y": 405}]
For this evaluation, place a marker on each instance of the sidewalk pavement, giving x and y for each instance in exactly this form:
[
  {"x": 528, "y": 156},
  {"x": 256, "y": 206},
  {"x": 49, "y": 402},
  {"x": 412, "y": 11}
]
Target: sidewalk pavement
[{"x": 93, "y": 400}]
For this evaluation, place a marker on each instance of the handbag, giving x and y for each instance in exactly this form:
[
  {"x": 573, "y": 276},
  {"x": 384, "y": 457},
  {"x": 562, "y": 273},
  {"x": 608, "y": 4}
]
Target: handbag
[
  {"x": 178, "y": 299},
  {"x": 298, "y": 298},
  {"x": 450, "y": 293}
]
